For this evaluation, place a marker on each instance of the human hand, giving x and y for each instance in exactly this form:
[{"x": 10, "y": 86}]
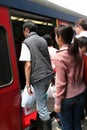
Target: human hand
[
  {"x": 29, "y": 90},
  {"x": 57, "y": 109}
]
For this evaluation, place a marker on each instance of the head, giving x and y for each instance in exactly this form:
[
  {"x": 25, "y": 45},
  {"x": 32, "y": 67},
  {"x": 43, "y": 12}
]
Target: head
[
  {"x": 28, "y": 27},
  {"x": 83, "y": 43},
  {"x": 80, "y": 26},
  {"x": 48, "y": 38},
  {"x": 64, "y": 35}
]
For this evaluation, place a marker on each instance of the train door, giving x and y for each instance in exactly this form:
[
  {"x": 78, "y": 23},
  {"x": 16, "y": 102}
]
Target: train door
[
  {"x": 45, "y": 25},
  {"x": 10, "y": 110}
]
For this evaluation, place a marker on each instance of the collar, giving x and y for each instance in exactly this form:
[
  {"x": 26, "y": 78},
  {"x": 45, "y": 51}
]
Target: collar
[
  {"x": 64, "y": 47},
  {"x": 32, "y": 33}
]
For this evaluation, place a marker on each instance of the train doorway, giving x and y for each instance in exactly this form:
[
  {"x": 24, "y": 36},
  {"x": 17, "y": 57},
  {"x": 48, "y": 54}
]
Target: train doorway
[{"x": 44, "y": 24}]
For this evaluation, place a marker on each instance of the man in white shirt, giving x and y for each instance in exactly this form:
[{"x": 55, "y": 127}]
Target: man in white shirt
[{"x": 38, "y": 70}]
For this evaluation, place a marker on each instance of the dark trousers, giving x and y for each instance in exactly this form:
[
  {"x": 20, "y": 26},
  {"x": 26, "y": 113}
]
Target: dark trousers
[{"x": 70, "y": 114}]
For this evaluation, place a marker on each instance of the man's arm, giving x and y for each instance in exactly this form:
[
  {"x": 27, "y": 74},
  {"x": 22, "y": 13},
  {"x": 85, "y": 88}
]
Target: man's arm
[
  {"x": 27, "y": 69},
  {"x": 27, "y": 75}
]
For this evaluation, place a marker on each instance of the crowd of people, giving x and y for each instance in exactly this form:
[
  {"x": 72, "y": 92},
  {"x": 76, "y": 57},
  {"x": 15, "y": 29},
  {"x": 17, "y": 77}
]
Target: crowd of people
[{"x": 68, "y": 64}]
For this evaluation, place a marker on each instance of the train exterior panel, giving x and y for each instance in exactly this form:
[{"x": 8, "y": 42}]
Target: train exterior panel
[
  {"x": 42, "y": 7},
  {"x": 10, "y": 109}
]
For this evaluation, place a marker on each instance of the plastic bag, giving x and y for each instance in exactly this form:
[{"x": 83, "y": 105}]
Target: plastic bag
[
  {"x": 28, "y": 101},
  {"x": 51, "y": 91},
  {"x": 50, "y": 95}
]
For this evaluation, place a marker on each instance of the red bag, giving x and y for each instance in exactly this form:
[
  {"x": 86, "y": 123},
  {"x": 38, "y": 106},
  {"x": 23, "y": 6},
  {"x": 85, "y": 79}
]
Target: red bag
[{"x": 27, "y": 116}]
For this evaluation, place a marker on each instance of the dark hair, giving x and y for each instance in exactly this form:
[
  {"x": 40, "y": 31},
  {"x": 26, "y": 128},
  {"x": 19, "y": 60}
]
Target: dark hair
[
  {"x": 82, "y": 41},
  {"x": 30, "y": 25},
  {"x": 82, "y": 23},
  {"x": 67, "y": 35},
  {"x": 48, "y": 38}
]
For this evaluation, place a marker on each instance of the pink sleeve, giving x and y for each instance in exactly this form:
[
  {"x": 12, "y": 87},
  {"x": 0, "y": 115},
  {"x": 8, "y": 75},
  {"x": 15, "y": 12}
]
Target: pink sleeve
[{"x": 60, "y": 82}]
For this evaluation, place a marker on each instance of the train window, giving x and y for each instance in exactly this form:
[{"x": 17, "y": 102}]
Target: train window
[{"x": 5, "y": 69}]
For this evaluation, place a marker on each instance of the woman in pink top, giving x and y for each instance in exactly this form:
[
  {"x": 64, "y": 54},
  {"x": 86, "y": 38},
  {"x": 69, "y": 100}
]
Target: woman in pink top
[{"x": 70, "y": 87}]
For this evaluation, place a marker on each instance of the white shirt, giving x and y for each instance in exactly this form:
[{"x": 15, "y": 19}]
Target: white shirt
[
  {"x": 84, "y": 33},
  {"x": 52, "y": 52},
  {"x": 25, "y": 53}
]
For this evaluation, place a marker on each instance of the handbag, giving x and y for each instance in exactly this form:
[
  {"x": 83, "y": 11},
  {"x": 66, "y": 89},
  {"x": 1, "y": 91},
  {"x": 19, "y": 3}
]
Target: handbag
[{"x": 28, "y": 101}]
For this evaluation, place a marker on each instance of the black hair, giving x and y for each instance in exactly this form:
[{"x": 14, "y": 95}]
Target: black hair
[
  {"x": 48, "y": 38},
  {"x": 30, "y": 25},
  {"x": 67, "y": 35},
  {"x": 82, "y": 41}
]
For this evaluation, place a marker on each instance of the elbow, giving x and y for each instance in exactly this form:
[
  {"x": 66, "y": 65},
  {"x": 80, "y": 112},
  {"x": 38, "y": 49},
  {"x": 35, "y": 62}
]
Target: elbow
[{"x": 28, "y": 65}]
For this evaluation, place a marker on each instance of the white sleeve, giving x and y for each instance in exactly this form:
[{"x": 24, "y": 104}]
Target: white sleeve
[{"x": 25, "y": 53}]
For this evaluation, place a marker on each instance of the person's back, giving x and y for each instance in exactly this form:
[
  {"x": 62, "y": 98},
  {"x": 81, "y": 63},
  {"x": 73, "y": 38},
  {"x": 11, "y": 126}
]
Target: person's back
[
  {"x": 70, "y": 86},
  {"x": 74, "y": 72},
  {"x": 38, "y": 70},
  {"x": 51, "y": 49},
  {"x": 41, "y": 65},
  {"x": 83, "y": 46}
]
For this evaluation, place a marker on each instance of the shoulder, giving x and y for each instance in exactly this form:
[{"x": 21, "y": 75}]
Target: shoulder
[
  {"x": 62, "y": 55},
  {"x": 84, "y": 33},
  {"x": 59, "y": 54}
]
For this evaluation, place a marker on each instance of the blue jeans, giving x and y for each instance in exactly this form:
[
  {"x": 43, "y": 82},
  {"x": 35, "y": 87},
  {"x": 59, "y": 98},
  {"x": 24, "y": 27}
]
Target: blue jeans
[
  {"x": 40, "y": 89},
  {"x": 70, "y": 114}
]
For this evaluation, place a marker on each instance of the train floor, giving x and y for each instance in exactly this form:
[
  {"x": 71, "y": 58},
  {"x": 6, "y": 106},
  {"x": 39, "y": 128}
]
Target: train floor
[{"x": 55, "y": 125}]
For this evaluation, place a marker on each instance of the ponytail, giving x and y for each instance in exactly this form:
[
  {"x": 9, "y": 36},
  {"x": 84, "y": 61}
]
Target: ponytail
[{"x": 74, "y": 49}]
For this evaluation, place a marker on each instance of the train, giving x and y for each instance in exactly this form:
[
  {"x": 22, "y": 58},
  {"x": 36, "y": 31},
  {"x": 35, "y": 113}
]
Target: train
[{"x": 13, "y": 13}]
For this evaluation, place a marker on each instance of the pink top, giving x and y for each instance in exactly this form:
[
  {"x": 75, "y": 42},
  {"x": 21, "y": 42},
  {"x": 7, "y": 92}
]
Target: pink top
[{"x": 69, "y": 76}]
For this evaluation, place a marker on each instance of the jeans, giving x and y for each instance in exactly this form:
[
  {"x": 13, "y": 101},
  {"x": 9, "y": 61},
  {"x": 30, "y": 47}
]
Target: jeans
[
  {"x": 40, "y": 89},
  {"x": 70, "y": 114}
]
